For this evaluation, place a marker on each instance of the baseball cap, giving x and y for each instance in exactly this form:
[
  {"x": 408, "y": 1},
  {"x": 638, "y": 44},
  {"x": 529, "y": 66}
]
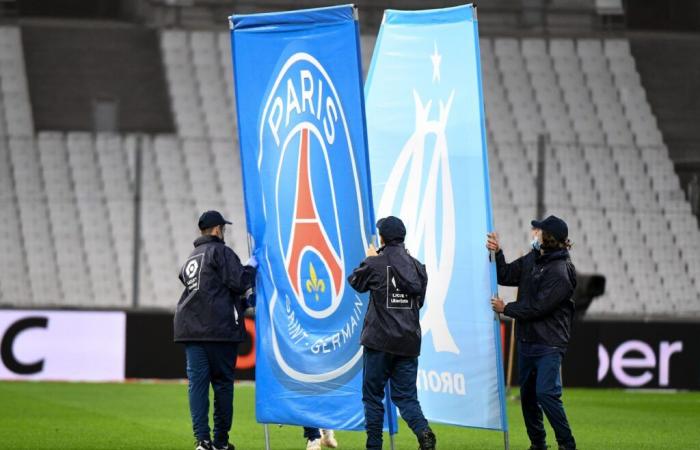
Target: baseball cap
[
  {"x": 554, "y": 226},
  {"x": 391, "y": 228},
  {"x": 210, "y": 219}
]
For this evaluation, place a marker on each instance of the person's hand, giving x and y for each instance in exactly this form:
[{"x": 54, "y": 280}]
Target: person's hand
[
  {"x": 250, "y": 298},
  {"x": 371, "y": 251},
  {"x": 492, "y": 242},
  {"x": 252, "y": 262},
  {"x": 497, "y": 304}
]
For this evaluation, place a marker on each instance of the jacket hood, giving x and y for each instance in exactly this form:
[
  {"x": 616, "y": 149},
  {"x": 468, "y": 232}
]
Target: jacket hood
[
  {"x": 557, "y": 255},
  {"x": 571, "y": 270},
  {"x": 553, "y": 256}
]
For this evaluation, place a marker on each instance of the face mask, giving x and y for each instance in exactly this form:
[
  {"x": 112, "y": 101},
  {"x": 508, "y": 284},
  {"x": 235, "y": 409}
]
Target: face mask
[{"x": 535, "y": 244}]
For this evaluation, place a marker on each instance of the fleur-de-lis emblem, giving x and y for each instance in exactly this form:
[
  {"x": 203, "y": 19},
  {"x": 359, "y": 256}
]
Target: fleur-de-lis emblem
[{"x": 314, "y": 284}]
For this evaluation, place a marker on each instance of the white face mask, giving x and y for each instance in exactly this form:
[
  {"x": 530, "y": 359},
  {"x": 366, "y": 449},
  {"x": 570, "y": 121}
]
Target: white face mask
[{"x": 535, "y": 244}]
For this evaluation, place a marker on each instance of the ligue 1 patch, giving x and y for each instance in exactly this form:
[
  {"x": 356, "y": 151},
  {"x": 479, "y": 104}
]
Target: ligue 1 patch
[
  {"x": 192, "y": 271},
  {"x": 395, "y": 298}
]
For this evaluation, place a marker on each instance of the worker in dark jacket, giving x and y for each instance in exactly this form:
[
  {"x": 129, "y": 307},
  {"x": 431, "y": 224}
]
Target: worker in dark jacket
[
  {"x": 209, "y": 321},
  {"x": 544, "y": 308},
  {"x": 391, "y": 334}
]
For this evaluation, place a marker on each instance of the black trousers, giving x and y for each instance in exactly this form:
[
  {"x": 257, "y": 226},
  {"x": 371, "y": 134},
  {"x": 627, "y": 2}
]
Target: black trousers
[
  {"x": 402, "y": 371},
  {"x": 540, "y": 391},
  {"x": 211, "y": 363}
]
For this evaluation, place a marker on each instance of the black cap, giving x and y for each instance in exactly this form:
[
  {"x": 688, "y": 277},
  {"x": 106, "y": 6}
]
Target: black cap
[
  {"x": 554, "y": 226},
  {"x": 211, "y": 219},
  {"x": 391, "y": 229}
]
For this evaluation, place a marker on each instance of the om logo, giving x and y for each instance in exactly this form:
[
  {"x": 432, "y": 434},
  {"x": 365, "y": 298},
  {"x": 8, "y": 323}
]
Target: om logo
[{"x": 419, "y": 190}]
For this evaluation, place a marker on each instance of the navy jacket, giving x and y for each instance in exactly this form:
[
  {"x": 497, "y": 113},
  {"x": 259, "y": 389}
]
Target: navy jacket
[
  {"x": 211, "y": 306},
  {"x": 544, "y": 308},
  {"x": 397, "y": 284}
]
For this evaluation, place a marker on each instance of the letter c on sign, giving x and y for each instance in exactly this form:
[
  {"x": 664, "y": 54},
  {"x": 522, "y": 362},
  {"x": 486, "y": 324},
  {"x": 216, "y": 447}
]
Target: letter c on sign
[{"x": 8, "y": 357}]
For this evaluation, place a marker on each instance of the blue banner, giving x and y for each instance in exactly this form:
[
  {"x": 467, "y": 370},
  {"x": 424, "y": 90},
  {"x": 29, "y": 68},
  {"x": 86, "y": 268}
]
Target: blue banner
[
  {"x": 427, "y": 144},
  {"x": 307, "y": 196}
]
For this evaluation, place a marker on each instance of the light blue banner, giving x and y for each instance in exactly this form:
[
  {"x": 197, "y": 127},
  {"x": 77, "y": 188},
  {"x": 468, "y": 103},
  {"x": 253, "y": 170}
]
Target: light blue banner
[
  {"x": 426, "y": 132},
  {"x": 308, "y": 204}
]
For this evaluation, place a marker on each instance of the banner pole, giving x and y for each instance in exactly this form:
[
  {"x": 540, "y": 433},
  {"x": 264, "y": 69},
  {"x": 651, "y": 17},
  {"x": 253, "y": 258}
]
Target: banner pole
[
  {"x": 506, "y": 440},
  {"x": 267, "y": 436},
  {"x": 511, "y": 351}
]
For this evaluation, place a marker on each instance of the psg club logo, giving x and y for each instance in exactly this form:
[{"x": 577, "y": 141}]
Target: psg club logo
[{"x": 315, "y": 214}]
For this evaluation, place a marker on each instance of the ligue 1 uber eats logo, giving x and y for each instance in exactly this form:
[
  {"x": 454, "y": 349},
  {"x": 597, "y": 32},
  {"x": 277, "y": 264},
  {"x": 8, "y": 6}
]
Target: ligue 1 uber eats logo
[{"x": 315, "y": 213}]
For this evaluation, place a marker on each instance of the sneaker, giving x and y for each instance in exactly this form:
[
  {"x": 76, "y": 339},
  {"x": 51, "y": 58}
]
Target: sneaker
[
  {"x": 328, "y": 439},
  {"x": 229, "y": 446},
  {"x": 539, "y": 447},
  {"x": 314, "y": 444},
  {"x": 203, "y": 445},
  {"x": 427, "y": 440}
]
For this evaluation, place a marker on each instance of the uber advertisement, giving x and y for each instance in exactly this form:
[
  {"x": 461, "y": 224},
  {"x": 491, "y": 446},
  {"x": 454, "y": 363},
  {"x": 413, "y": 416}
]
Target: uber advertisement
[
  {"x": 648, "y": 355},
  {"x": 116, "y": 345}
]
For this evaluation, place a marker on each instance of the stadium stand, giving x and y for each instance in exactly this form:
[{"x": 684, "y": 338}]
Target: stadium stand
[
  {"x": 587, "y": 96},
  {"x": 67, "y": 197},
  {"x": 110, "y": 63},
  {"x": 16, "y": 110}
]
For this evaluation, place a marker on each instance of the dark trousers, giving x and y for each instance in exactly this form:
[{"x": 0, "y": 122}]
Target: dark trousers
[
  {"x": 312, "y": 433},
  {"x": 540, "y": 390},
  {"x": 211, "y": 363},
  {"x": 378, "y": 367}
]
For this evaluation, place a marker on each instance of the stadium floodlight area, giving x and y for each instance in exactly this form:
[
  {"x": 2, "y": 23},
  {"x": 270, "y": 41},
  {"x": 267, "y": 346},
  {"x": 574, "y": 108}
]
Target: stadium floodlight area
[{"x": 67, "y": 199}]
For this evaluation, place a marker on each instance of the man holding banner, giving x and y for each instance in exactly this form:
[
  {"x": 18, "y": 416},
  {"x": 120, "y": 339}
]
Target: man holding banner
[
  {"x": 391, "y": 334},
  {"x": 544, "y": 309},
  {"x": 209, "y": 321}
]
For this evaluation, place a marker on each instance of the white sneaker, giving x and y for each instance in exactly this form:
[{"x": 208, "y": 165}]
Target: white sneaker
[
  {"x": 313, "y": 445},
  {"x": 328, "y": 439},
  {"x": 203, "y": 445}
]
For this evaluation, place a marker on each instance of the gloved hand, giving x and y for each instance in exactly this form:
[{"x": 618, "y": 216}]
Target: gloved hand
[
  {"x": 250, "y": 298},
  {"x": 252, "y": 262}
]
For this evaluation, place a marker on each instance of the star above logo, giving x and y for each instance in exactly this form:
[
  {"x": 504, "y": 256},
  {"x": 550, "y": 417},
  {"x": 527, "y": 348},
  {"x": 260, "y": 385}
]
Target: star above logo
[{"x": 436, "y": 58}]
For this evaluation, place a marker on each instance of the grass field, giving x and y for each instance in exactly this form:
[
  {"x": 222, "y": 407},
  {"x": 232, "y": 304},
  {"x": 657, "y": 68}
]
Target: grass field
[{"x": 155, "y": 416}]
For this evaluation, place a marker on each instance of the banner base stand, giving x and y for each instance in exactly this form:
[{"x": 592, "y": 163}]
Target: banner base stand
[{"x": 267, "y": 437}]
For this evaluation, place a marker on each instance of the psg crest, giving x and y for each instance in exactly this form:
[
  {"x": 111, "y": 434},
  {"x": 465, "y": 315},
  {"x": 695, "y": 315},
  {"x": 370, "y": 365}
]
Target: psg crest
[{"x": 314, "y": 223}]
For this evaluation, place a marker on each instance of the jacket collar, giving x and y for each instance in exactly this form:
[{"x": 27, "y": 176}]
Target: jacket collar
[
  {"x": 206, "y": 240},
  {"x": 552, "y": 256},
  {"x": 390, "y": 245}
]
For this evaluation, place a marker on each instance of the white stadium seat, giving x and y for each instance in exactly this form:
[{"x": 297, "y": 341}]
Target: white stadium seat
[{"x": 609, "y": 175}]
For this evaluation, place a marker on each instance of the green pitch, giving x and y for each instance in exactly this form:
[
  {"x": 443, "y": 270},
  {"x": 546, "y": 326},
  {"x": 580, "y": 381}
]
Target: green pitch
[{"x": 155, "y": 416}]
